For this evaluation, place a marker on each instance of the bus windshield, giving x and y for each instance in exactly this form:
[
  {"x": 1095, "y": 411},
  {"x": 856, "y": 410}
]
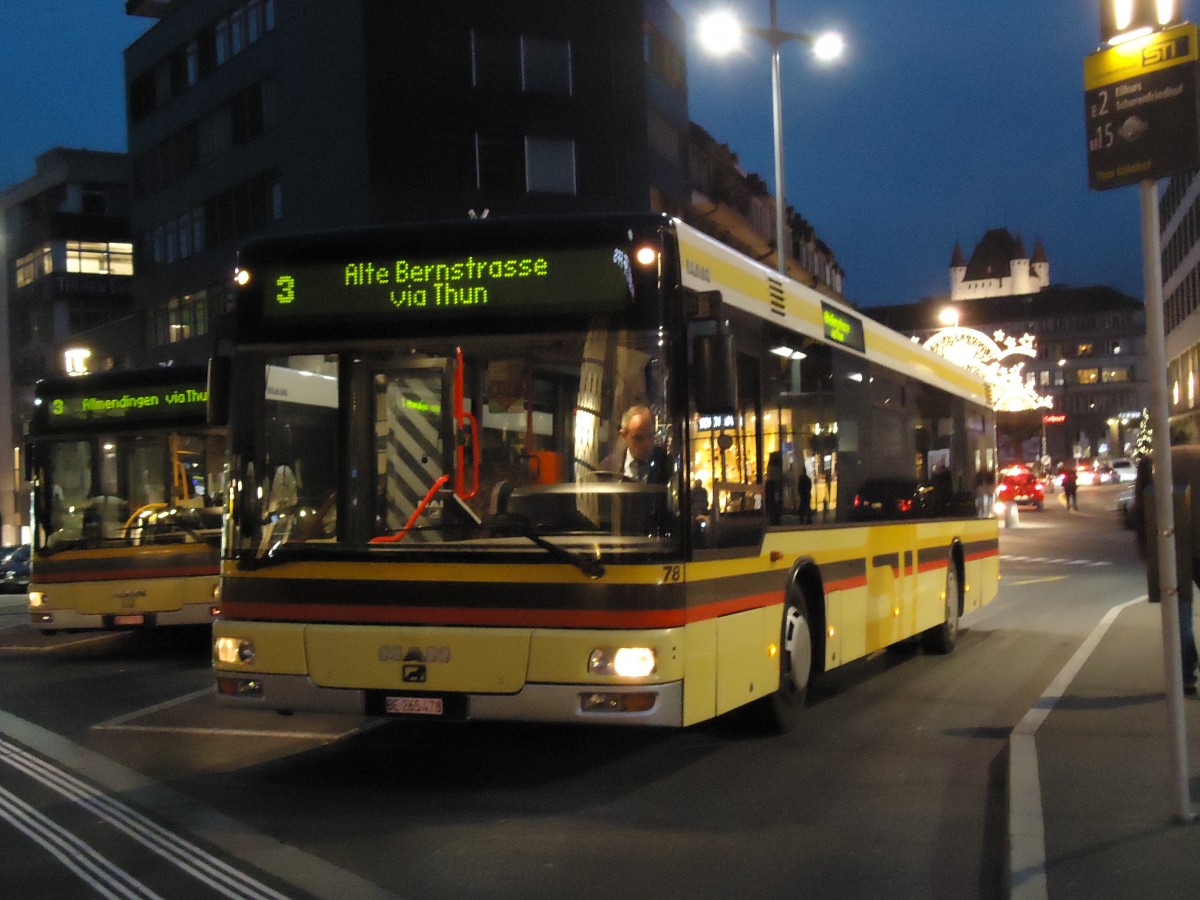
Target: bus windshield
[
  {"x": 476, "y": 443},
  {"x": 129, "y": 490}
]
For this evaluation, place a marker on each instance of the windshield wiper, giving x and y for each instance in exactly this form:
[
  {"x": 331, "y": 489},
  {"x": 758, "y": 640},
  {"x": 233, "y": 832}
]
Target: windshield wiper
[{"x": 522, "y": 527}]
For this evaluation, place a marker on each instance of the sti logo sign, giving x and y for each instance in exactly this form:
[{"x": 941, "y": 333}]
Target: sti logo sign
[{"x": 1140, "y": 102}]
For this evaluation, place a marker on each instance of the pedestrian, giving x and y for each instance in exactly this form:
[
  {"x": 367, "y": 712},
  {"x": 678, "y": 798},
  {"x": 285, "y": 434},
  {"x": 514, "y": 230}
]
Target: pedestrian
[
  {"x": 1070, "y": 484},
  {"x": 804, "y": 495},
  {"x": 1185, "y": 472}
]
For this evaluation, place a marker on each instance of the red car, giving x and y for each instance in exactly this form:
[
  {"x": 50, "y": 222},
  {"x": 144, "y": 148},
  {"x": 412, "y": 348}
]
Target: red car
[{"x": 1021, "y": 487}]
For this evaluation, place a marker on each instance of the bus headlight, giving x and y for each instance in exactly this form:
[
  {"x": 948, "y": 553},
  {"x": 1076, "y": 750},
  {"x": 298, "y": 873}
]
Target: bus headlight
[
  {"x": 234, "y": 651},
  {"x": 625, "y": 662},
  {"x": 36, "y": 599}
]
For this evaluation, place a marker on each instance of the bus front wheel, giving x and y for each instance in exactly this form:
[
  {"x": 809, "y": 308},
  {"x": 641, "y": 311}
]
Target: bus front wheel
[{"x": 780, "y": 711}]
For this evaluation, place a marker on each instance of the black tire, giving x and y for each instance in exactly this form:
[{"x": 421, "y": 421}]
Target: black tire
[
  {"x": 941, "y": 638},
  {"x": 781, "y": 711}
]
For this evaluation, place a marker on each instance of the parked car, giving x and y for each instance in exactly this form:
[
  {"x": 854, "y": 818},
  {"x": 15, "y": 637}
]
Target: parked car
[
  {"x": 14, "y": 571},
  {"x": 1104, "y": 474},
  {"x": 1124, "y": 469}
]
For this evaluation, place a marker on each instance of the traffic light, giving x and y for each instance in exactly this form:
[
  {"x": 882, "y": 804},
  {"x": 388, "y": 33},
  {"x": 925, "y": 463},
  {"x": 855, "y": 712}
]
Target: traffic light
[{"x": 1123, "y": 20}]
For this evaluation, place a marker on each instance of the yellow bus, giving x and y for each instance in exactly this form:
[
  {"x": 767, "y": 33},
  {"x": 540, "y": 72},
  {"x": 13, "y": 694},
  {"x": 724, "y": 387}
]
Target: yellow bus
[
  {"x": 579, "y": 469},
  {"x": 128, "y": 497}
]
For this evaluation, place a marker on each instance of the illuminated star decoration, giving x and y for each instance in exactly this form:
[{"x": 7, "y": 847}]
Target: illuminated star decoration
[{"x": 989, "y": 358}]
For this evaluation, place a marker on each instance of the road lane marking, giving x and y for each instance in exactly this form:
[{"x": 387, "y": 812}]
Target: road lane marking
[
  {"x": 1036, "y": 580},
  {"x": 76, "y": 855},
  {"x": 147, "y": 710},
  {"x": 1055, "y": 560},
  {"x": 1026, "y": 823},
  {"x": 289, "y": 864},
  {"x": 174, "y": 849},
  {"x": 121, "y": 723}
]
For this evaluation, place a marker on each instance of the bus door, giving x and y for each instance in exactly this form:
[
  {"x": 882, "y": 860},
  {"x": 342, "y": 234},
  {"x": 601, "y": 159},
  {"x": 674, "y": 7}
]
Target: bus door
[{"x": 410, "y": 430}]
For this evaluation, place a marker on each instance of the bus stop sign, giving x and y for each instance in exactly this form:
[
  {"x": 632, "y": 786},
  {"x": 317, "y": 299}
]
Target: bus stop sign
[{"x": 1140, "y": 100}]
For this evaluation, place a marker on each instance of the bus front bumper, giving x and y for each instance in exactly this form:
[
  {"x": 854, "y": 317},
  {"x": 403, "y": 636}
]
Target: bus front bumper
[{"x": 644, "y": 705}]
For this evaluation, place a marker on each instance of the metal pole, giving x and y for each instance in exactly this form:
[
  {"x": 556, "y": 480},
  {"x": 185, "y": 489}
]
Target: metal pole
[
  {"x": 1163, "y": 494},
  {"x": 781, "y": 243}
]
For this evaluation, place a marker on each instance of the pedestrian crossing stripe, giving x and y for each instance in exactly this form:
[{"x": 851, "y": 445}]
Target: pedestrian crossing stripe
[{"x": 1058, "y": 561}]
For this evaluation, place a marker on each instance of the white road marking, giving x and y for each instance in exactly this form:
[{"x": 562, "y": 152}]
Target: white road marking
[{"x": 1026, "y": 825}]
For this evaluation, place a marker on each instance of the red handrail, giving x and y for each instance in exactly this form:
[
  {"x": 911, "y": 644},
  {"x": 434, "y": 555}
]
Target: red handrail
[
  {"x": 392, "y": 538},
  {"x": 462, "y": 417}
]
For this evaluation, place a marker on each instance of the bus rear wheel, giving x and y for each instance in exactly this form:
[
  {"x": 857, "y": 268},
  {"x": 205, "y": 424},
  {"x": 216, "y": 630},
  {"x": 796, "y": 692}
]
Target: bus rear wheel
[
  {"x": 941, "y": 638},
  {"x": 780, "y": 711}
]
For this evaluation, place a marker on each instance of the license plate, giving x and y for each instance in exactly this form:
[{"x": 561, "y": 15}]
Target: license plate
[
  {"x": 413, "y": 706},
  {"x": 129, "y": 620}
]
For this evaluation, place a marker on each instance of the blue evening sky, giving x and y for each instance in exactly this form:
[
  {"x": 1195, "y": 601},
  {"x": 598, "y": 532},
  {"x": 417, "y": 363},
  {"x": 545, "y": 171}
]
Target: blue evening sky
[{"x": 945, "y": 119}]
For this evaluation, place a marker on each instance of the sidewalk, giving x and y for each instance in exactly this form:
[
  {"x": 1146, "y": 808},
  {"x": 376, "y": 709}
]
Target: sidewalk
[{"x": 1108, "y": 795}]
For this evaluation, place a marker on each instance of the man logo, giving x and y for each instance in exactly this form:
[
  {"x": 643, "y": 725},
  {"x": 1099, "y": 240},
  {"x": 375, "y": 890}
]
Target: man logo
[
  {"x": 400, "y": 653},
  {"x": 413, "y": 674}
]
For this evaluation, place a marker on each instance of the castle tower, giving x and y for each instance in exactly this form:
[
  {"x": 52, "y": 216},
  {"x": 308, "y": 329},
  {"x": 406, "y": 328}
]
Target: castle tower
[
  {"x": 958, "y": 271},
  {"x": 999, "y": 267},
  {"x": 1040, "y": 270},
  {"x": 1018, "y": 265}
]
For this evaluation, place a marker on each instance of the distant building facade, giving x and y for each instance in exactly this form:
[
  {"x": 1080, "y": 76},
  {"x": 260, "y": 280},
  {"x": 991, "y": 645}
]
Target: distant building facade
[
  {"x": 247, "y": 117},
  {"x": 68, "y": 274},
  {"x": 236, "y": 128},
  {"x": 999, "y": 267},
  {"x": 1179, "y": 219},
  {"x": 1090, "y": 361}
]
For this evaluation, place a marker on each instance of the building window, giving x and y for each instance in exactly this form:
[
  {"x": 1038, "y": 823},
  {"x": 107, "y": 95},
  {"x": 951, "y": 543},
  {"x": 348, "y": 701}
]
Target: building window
[
  {"x": 549, "y": 165},
  {"x": 193, "y": 63},
  {"x": 237, "y": 31},
  {"x": 76, "y": 257},
  {"x": 113, "y": 258},
  {"x": 1108, "y": 376},
  {"x": 1087, "y": 376},
  {"x": 545, "y": 66},
  {"x": 253, "y": 20},
  {"x": 221, "y": 32},
  {"x": 499, "y": 160},
  {"x": 495, "y": 62},
  {"x": 33, "y": 266},
  {"x": 198, "y": 229}
]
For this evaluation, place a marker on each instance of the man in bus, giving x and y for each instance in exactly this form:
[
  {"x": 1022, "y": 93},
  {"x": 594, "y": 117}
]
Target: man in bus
[{"x": 640, "y": 457}]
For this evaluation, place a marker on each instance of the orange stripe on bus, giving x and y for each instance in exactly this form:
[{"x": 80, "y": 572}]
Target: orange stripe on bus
[{"x": 320, "y": 613}]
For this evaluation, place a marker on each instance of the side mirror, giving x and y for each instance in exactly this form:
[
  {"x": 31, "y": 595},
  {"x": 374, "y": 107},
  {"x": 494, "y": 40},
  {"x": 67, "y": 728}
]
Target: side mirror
[
  {"x": 220, "y": 370},
  {"x": 714, "y": 374}
]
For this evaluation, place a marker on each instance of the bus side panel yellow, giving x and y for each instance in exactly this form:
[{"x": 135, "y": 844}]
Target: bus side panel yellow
[
  {"x": 855, "y": 624},
  {"x": 746, "y": 672},
  {"x": 983, "y": 579},
  {"x": 883, "y": 597},
  {"x": 836, "y": 616},
  {"x": 700, "y": 668}
]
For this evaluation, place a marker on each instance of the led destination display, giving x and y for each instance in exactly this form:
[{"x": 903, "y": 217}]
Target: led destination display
[
  {"x": 65, "y": 410},
  {"x": 593, "y": 280}
]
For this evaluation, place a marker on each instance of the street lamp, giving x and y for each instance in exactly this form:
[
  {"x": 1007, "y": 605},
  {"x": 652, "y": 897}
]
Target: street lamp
[{"x": 721, "y": 33}]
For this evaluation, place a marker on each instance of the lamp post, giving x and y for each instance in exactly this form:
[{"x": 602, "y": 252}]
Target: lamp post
[
  {"x": 721, "y": 33},
  {"x": 1134, "y": 30}
]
